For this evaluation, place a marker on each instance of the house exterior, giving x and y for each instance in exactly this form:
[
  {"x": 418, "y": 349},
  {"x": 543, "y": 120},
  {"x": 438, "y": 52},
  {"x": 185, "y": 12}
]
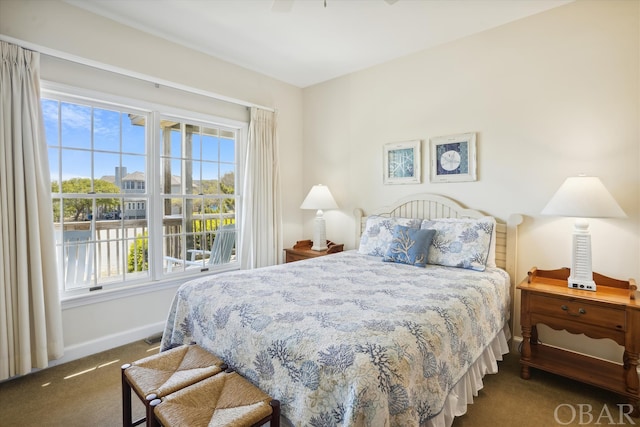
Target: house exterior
[
  {"x": 128, "y": 183},
  {"x": 552, "y": 95},
  {"x": 131, "y": 183}
]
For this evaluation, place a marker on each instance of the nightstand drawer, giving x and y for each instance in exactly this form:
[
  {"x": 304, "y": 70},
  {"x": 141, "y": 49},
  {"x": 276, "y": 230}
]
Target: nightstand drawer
[
  {"x": 579, "y": 311},
  {"x": 292, "y": 257}
]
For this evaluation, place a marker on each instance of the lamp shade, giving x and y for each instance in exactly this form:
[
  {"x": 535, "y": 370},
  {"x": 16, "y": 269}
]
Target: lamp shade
[
  {"x": 583, "y": 197},
  {"x": 319, "y": 197}
]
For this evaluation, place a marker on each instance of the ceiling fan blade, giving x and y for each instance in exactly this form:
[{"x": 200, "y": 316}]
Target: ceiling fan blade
[
  {"x": 391, "y": 1},
  {"x": 281, "y": 5}
]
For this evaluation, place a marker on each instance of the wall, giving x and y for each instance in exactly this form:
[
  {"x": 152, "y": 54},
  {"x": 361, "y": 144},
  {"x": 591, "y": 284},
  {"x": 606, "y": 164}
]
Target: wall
[
  {"x": 550, "y": 96},
  {"x": 55, "y": 25}
]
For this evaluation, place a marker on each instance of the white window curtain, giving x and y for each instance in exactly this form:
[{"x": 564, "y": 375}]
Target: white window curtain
[
  {"x": 261, "y": 210},
  {"x": 30, "y": 313}
]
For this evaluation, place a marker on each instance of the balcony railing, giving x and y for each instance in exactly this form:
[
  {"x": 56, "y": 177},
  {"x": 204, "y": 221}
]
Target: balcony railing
[{"x": 114, "y": 240}]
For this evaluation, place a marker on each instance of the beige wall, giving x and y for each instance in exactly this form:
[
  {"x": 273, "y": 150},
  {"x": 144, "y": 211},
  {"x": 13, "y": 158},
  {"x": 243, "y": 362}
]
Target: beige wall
[
  {"x": 58, "y": 26},
  {"x": 549, "y": 96}
]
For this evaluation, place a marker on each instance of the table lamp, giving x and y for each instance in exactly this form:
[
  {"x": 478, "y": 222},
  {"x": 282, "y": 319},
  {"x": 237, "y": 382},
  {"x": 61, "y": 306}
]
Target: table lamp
[
  {"x": 582, "y": 197},
  {"x": 319, "y": 198}
]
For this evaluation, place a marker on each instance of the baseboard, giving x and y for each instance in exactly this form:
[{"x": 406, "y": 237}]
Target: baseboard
[{"x": 107, "y": 342}]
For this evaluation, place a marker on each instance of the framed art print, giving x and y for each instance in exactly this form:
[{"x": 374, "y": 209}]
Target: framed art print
[
  {"x": 402, "y": 162},
  {"x": 453, "y": 158}
]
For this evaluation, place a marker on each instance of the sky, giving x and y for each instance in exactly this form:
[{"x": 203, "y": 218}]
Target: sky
[{"x": 69, "y": 135}]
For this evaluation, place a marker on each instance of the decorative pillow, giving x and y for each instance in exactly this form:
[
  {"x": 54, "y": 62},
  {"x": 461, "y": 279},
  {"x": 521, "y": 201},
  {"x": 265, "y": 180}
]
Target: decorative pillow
[
  {"x": 409, "y": 246},
  {"x": 378, "y": 233},
  {"x": 461, "y": 242}
]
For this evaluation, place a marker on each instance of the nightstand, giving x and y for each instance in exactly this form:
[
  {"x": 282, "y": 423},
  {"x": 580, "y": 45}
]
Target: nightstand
[
  {"x": 610, "y": 312},
  {"x": 302, "y": 250}
]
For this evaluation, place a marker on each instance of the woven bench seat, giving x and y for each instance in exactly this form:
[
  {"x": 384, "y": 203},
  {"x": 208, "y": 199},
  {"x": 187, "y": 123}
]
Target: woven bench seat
[
  {"x": 164, "y": 373},
  {"x": 224, "y": 400}
]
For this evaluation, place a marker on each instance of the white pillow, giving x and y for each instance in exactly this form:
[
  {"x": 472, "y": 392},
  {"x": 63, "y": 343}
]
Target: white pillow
[
  {"x": 462, "y": 242},
  {"x": 378, "y": 233}
]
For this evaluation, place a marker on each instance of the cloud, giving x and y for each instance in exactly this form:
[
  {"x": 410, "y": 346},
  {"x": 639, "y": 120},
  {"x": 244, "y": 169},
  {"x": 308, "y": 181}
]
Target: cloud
[{"x": 75, "y": 116}]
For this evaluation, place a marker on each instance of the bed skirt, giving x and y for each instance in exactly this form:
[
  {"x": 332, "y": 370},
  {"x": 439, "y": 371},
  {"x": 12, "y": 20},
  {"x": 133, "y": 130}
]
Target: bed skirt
[{"x": 469, "y": 385}]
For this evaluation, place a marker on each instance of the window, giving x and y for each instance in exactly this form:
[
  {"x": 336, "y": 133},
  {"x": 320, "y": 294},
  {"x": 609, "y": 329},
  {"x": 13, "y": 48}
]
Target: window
[
  {"x": 138, "y": 195},
  {"x": 198, "y": 191}
]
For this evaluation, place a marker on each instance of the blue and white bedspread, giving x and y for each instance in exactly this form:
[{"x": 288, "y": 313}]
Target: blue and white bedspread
[{"x": 346, "y": 339}]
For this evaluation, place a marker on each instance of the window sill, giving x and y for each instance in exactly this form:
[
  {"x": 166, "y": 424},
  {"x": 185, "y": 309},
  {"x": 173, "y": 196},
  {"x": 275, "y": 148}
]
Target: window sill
[{"x": 129, "y": 291}]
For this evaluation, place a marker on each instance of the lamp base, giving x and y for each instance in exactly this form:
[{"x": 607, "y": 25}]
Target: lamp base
[
  {"x": 319, "y": 234},
  {"x": 319, "y": 248},
  {"x": 584, "y": 285},
  {"x": 581, "y": 276}
]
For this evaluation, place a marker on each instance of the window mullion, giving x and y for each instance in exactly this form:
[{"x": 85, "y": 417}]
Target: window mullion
[{"x": 154, "y": 186}]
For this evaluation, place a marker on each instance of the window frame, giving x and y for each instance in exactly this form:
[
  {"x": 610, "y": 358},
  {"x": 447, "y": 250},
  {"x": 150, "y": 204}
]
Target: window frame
[{"x": 157, "y": 279}]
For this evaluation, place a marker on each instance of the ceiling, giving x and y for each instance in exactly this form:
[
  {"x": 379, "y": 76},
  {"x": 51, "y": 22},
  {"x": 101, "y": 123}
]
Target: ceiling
[{"x": 304, "y": 42}]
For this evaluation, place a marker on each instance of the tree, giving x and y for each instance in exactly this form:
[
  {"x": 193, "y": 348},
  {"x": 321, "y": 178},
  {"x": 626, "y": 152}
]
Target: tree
[
  {"x": 55, "y": 189},
  {"x": 228, "y": 180},
  {"x": 138, "y": 259},
  {"x": 73, "y": 208},
  {"x": 227, "y": 186}
]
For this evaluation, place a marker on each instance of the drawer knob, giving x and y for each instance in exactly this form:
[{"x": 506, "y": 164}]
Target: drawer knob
[{"x": 580, "y": 310}]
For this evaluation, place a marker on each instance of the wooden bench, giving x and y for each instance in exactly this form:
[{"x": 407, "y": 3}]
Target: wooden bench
[
  {"x": 162, "y": 374},
  {"x": 226, "y": 399}
]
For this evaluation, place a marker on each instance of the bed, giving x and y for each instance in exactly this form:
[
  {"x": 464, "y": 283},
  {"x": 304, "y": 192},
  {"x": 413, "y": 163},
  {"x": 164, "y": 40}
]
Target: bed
[{"x": 351, "y": 340}]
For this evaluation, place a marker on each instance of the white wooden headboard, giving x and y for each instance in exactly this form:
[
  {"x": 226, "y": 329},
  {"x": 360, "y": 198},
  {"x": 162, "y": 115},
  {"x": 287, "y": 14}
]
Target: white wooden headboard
[{"x": 430, "y": 206}]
